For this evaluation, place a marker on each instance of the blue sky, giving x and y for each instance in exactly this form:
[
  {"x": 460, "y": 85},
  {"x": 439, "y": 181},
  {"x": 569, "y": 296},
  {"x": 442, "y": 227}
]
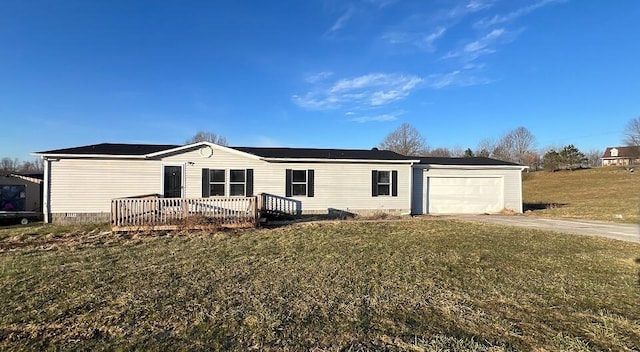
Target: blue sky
[{"x": 336, "y": 74}]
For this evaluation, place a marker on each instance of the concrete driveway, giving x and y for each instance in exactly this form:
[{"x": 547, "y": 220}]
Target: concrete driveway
[{"x": 622, "y": 232}]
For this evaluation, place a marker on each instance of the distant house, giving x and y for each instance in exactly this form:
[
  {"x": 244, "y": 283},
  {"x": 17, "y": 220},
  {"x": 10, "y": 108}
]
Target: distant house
[
  {"x": 80, "y": 182},
  {"x": 21, "y": 192},
  {"x": 621, "y": 156}
]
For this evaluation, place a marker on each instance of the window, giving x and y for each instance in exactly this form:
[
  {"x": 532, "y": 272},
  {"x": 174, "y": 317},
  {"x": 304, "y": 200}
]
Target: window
[
  {"x": 217, "y": 182},
  {"x": 236, "y": 182},
  {"x": 299, "y": 183},
  {"x": 384, "y": 183},
  {"x": 220, "y": 182}
]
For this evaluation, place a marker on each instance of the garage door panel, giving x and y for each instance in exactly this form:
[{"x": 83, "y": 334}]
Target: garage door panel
[{"x": 464, "y": 195}]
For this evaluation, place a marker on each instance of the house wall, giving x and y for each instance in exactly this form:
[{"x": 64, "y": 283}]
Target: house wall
[
  {"x": 619, "y": 161},
  {"x": 32, "y": 190},
  {"x": 81, "y": 190},
  {"x": 343, "y": 186},
  {"x": 512, "y": 183},
  {"x": 78, "y": 187}
]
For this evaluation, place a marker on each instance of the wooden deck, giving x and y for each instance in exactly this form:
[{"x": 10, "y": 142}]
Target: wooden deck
[{"x": 154, "y": 213}]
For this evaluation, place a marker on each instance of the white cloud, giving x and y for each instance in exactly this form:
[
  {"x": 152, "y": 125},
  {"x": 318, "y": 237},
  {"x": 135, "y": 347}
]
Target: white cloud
[
  {"x": 498, "y": 19},
  {"x": 458, "y": 78},
  {"x": 371, "y": 90},
  {"x": 380, "y": 3},
  {"x": 435, "y": 35},
  {"x": 378, "y": 118},
  {"x": 479, "y": 47},
  {"x": 318, "y": 76},
  {"x": 341, "y": 21},
  {"x": 463, "y": 10},
  {"x": 422, "y": 30},
  {"x": 423, "y": 41},
  {"x": 482, "y": 43}
]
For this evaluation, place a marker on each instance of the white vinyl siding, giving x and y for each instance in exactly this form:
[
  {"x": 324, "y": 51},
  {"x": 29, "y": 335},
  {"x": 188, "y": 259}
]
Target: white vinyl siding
[
  {"x": 483, "y": 180},
  {"x": 344, "y": 186},
  {"x": 88, "y": 185}
]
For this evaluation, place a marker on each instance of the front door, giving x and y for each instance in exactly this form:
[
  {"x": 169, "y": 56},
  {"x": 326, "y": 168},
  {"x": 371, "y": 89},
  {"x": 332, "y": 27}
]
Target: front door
[{"x": 173, "y": 181}]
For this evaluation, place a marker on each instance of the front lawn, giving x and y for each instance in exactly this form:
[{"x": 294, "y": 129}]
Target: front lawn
[{"x": 403, "y": 285}]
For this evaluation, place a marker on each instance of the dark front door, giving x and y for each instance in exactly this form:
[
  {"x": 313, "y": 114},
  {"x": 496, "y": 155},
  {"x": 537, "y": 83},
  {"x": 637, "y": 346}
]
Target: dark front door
[{"x": 173, "y": 181}]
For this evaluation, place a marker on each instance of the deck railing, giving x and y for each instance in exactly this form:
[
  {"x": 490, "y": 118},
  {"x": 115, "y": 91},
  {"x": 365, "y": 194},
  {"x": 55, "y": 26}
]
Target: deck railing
[
  {"x": 176, "y": 213},
  {"x": 277, "y": 206}
]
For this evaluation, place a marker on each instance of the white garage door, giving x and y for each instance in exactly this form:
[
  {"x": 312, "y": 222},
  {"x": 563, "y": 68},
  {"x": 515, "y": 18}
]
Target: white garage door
[{"x": 464, "y": 195}]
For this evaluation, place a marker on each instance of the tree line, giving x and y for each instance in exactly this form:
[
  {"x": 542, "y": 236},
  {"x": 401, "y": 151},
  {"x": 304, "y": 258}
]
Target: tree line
[
  {"x": 14, "y": 165},
  {"x": 517, "y": 146}
]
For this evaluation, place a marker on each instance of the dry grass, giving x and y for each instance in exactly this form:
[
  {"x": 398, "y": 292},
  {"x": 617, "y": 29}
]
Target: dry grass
[
  {"x": 421, "y": 285},
  {"x": 607, "y": 193}
]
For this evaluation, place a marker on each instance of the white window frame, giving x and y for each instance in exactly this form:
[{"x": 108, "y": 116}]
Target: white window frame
[
  {"x": 223, "y": 183},
  {"x": 243, "y": 183},
  {"x": 305, "y": 183},
  {"x": 388, "y": 184}
]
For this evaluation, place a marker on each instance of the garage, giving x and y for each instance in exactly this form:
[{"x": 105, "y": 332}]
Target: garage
[
  {"x": 464, "y": 195},
  {"x": 466, "y": 186}
]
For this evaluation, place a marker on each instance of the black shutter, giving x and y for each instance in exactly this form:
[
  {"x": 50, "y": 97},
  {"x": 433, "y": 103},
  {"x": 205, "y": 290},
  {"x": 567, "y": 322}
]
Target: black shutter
[
  {"x": 310, "y": 174},
  {"x": 374, "y": 183},
  {"x": 287, "y": 181},
  {"x": 205, "y": 183},
  {"x": 394, "y": 183},
  {"x": 249, "y": 186}
]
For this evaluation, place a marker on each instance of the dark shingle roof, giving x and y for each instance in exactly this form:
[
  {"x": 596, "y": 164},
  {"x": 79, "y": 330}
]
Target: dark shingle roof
[
  {"x": 623, "y": 152},
  {"x": 289, "y": 153},
  {"x": 113, "y": 149},
  {"x": 475, "y": 161},
  {"x": 279, "y": 152},
  {"x": 312, "y": 153}
]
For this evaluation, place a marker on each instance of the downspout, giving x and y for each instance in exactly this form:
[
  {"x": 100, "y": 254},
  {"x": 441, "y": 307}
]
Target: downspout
[
  {"x": 522, "y": 200},
  {"x": 45, "y": 191},
  {"x": 411, "y": 190}
]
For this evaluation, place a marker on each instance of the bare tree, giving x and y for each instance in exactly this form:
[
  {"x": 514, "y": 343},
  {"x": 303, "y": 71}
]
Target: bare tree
[
  {"x": 440, "y": 152},
  {"x": 457, "y": 151},
  {"x": 485, "y": 148},
  {"x": 405, "y": 140},
  {"x": 8, "y": 165},
  {"x": 32, "y": 167},
  {"x": 207, "y": 136},
  {"x": 593, "y": 157},
  {"x": 515, "y": 146},
  {"x": 533, "y": 159},
  {"x": 523, "y": 142},
  {"x": 632, "y": 133}
]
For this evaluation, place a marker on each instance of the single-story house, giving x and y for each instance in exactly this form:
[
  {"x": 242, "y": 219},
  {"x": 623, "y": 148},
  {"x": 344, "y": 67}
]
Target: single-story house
[
  {"x": 80, "y": 182},
  {"x": 621, "y": 156},
  {"x": 21, "y": 192}
]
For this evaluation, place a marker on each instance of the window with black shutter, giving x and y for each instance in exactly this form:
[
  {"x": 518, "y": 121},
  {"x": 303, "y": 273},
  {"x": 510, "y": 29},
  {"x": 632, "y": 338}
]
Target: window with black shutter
[
  {"x": 220, "y": 182},
  {"x": 237, "y": 182},
  {"x": 299, "y": 183},
  {"x": 384, "y": 183},
  {"x": 217, "y": 183}
]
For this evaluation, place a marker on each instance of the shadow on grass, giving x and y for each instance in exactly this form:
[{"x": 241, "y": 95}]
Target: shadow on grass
[{"x": 542, "y": 206}]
